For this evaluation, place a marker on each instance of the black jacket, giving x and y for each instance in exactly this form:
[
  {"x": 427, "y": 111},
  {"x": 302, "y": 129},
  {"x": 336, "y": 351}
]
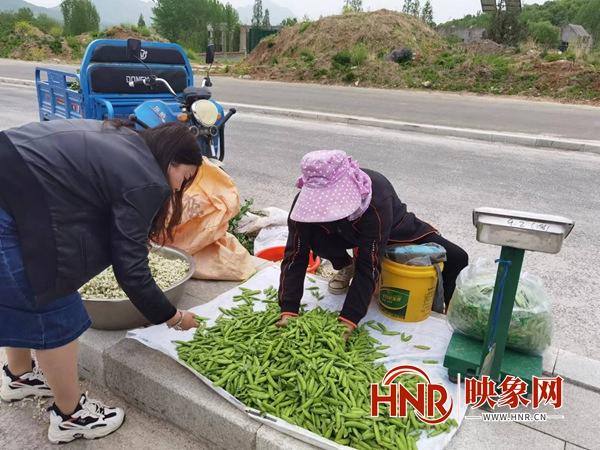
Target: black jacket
[
  {"x": 83, "y": 196},
  {"x": 385, "y": 221}
]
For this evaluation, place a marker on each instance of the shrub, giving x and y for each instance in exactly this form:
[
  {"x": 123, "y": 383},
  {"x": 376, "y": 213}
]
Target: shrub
[
  {"x": 56, "y": 46},
  {"x": 544, "y": 33},
  {"x": 359, "y": 54},
  {"x": 343, "y": 58},
  {"x": 23, "y": 28},
  {"x": 304, "y": 26},
  {"x": 73, "y": 42},
  {"x": 349, "y": 77},
  {"x": 56, "y": 31}
]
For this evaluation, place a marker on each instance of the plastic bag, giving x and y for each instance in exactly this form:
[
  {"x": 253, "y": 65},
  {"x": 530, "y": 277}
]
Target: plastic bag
[
  {"x": 430, "y": 254},
  {"x": 271, "y": 216},
  {"x": 416, "y": 255},
  {"x": 530, "y": 329},
  {"x": 274, "y": 236},
  {"x": 208, "y": 204}
]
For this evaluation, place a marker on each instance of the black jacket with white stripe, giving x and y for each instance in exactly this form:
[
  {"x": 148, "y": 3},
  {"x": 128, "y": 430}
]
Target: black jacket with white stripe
[{"x": 386, "y": 221}]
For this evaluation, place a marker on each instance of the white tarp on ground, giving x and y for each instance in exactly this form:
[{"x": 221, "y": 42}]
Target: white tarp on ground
[{"x": 433, "y": 332}]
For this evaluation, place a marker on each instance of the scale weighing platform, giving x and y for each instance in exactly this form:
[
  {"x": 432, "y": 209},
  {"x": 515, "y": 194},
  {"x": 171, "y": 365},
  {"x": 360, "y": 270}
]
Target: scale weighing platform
[{"x": 515, "y": 232}]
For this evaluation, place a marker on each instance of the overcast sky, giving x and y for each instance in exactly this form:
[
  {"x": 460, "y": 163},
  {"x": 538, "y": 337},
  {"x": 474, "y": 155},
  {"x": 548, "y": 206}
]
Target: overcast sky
[{"x": 443, "y": 9}]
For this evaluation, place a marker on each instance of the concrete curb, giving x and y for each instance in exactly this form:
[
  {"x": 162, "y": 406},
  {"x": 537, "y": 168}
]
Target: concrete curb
[
  {"x": 527, "y": 140},
  {"x": 150, "y": 381},
  {"x": 17, "y": 81}
]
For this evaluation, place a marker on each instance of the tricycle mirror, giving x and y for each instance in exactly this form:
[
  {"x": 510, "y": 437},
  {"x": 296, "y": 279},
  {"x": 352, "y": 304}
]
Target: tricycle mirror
[
  {"x": 210, "y": 54},
  {"x": 134, "y": 48}
]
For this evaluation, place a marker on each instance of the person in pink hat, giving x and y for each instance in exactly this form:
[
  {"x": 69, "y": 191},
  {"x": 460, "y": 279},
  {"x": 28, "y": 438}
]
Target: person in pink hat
[{"x": 341, "y": 207}]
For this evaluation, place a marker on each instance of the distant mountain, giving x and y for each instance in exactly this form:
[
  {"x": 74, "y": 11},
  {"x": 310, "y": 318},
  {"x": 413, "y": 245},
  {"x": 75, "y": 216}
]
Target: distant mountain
[
  {"x": 276, "y": 13},
  {"x": 14, "y": 5},
  {"x": 112, "y": 12}
]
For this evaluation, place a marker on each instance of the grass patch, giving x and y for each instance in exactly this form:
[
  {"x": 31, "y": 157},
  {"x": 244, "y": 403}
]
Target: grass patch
[
  {"x": 304, "y": 26},
  {"x": 307, "y": 56},
  {"x": 359, "y": 54}
]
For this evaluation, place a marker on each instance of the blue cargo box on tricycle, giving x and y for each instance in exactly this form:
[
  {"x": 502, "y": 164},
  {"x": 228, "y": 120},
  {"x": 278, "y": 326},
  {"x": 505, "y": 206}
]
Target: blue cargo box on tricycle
[{"x": 148, "y": 83}]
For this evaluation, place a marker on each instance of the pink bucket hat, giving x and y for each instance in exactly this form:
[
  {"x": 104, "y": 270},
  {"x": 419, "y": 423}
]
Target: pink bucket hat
[{"x": 332, "y": 188}]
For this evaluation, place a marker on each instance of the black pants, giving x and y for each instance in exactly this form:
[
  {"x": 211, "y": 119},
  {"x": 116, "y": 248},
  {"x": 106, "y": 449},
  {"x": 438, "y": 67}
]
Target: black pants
[
  {"x": 456, "y": 260},
  {"x": 333, "y": 248}
]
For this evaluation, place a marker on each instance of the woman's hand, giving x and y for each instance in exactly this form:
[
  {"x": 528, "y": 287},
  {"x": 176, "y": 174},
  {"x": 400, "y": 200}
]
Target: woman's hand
[{"x": 186, "y": 320}]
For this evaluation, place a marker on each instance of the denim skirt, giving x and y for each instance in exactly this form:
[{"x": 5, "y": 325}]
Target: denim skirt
[{"x": 23, "y": 323}]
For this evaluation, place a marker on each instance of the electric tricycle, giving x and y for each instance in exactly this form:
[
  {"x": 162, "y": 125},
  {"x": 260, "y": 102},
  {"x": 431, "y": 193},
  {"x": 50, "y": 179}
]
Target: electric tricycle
[{"x": 148, "y": 83}]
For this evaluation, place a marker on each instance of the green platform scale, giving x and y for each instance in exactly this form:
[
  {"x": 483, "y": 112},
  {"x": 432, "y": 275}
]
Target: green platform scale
[{"x": 515, "y": 232}]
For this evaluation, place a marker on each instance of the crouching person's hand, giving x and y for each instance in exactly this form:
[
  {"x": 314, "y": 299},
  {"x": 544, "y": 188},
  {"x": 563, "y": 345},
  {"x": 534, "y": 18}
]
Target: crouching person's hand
[
  {"x": 283, "y": 319},
  {"x": 350, "y": 327}
]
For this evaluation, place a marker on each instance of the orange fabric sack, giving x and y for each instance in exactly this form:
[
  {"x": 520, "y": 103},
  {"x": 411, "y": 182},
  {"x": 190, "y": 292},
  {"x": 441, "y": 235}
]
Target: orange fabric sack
[{"x": 208, "y": 204}]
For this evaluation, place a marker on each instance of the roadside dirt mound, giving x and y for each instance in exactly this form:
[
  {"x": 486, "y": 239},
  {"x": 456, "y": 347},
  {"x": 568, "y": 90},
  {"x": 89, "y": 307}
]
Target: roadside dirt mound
[
  {"x": 377, "y": 32},
  {"x": 353, "y": 49},
  {"x": 120, "y": 32},
  {"x": 36, "y": 45},
  {"x": 486, "y": 47}
]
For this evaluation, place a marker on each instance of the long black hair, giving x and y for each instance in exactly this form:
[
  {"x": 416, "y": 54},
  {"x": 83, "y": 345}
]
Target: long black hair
[{"x": 170, "y": 143}]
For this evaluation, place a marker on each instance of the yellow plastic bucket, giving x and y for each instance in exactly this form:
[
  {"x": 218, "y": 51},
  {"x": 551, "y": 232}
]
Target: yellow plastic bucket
[{"x": 407, "y": 292}]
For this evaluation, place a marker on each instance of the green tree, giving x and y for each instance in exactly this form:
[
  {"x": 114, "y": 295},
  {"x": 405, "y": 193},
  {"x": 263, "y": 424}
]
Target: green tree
[
  {"x": 352, "y": 6},
  {"x": 25, "y": 15},
  {"x": 169, "y": 15},
  {"x": 257, "y": 13},
  {"x": 80, "y": 16},
  {"x": 232, "y": 19},
  {"x": 544, "y": 33},
  {"x": 141, "y": 22},
  {"x": 589, "y": 18},
  {"x": 46, "y": 23},
  {"x": 415, "y": 8},
  {"x": 557, "y": 12},
  {"x": 266, "y": 22},
  {"x": 407, "y": 7},
  {"x": 506, "y": 28},
  {"x": 427, "y": 14}
]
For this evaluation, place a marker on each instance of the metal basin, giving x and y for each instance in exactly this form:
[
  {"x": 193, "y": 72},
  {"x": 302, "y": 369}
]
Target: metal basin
[{"x": 120, "y": 314}]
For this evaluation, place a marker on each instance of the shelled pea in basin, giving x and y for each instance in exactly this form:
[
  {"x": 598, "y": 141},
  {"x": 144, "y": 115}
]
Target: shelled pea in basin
[{"x": 108, "y": 306}]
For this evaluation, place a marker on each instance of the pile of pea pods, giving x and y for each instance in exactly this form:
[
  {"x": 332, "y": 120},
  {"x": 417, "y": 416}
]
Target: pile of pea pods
[{"x": 304, "y": 373}]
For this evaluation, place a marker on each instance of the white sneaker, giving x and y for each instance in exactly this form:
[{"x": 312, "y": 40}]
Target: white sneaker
[
  {"x": 340, "y": 282},
  {"x": 29, "y": 384},
  {"x": 91, "y": 420}
]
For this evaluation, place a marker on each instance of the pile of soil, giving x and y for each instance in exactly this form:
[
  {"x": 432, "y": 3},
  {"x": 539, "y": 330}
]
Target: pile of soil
[{"x": 353, "y": 49}]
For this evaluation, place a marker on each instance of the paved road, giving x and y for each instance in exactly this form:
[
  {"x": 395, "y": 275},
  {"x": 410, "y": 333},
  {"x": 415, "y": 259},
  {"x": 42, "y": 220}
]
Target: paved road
[
  {"x": 442, "y": 180},
  {"x": 453, "y": 110}
]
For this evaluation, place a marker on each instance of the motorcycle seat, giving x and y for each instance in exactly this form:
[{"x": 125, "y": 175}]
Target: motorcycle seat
[{"x": 197, "y": 93}]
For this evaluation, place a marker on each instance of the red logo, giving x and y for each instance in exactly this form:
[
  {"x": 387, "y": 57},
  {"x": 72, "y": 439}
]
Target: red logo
[{"x": 430, "y": 403}]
